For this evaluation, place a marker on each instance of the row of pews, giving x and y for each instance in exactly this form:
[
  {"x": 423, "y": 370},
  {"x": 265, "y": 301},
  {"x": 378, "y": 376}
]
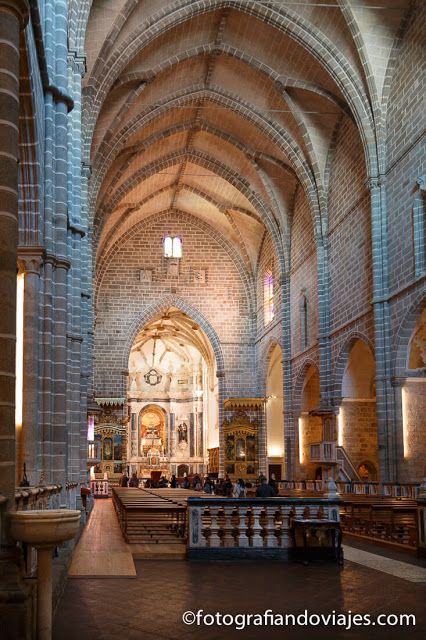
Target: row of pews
[
  {"x": 158, "y": 516},
  {"x": 389, "y": 520},
  {"x": 393, "y": 521},
  {"x": 152, "y": 516}
]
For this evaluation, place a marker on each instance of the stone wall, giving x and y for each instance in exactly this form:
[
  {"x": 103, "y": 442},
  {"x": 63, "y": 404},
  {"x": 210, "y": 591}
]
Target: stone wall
[
  {"x": 349, "y": 231},
  {"x": 124, "y": 302},
  {"x": 357, "y": 422},
  {"x": 413, "y": 466}
]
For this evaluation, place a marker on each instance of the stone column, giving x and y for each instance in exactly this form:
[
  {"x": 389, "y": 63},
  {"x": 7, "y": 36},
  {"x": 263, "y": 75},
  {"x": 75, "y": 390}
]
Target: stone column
[
  {"x": 221, "y": 416},
  {"x": 61, "y": 248},
  {"x": 13, "y": 18},
  {"x": 384, "y": 392},
  {"x": 419, "y": 227},
  {"x": 30, "y": 260},
  {"x": 290, "y": 423},
  {"x": 324, "y": 321}
]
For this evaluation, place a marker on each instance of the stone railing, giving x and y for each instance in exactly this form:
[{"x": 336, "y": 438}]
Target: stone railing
[
  {"x": 99, "y": 488},
  {"x": 323, "y": 452},
  {"x": 257, "y": 527},
  {"x": 392, "y": 490},
  {"x": 43, "y": 497},
  {"x": 315, "y": 486}
]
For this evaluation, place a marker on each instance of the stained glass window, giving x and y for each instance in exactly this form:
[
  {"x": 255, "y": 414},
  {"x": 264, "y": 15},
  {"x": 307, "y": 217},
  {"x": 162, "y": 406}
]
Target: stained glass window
[
  {"x": 304, "y": 322},
  {"x": 268, "y": 295}
]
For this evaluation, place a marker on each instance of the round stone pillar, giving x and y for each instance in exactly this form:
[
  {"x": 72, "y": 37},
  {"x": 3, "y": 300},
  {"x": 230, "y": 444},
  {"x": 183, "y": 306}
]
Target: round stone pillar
[
  {"x": 13, "y": 17},
  {"x": 30, "y": 260},
  {"x": 13, "y": 595}
]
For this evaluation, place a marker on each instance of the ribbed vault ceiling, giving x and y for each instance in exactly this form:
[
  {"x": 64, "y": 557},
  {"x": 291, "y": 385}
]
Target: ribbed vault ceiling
[
  {"x": 173, "y": 332},
  {"x": 223, "y": 109}
]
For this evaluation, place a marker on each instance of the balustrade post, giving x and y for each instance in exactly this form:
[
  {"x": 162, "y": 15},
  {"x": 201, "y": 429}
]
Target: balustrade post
[
  {"x": 214, "y": 538},
  {"x": 285, "y": 528},
  {"x": 256, "y": 538},
  {"x": 228, "y": 538},
  {"x": 271, "y": 540},
  {"x": 243, "y": 525}
]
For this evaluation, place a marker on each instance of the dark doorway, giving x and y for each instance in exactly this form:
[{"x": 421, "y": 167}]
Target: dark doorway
[
  {"x": 275, "y": 468},
  {"x": 182, "y": 470}
]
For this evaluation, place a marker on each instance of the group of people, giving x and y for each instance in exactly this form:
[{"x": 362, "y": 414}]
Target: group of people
[
  {"x": 218, "y": 486},
  {"x": 133, "y": 481}
]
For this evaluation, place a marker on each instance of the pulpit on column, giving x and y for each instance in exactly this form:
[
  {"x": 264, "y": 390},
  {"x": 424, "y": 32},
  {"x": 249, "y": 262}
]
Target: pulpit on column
[{"x": 325, "y": 452}]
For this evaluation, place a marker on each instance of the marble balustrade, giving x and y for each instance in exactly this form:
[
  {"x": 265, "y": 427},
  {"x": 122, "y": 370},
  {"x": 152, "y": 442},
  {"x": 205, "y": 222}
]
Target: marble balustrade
[{"x": 257, "y": 524}]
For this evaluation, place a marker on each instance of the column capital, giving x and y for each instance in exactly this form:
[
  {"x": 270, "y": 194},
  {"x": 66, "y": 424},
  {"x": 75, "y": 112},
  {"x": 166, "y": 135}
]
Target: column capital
[
  {"x": 77, "y": 62},
  {"x": 86, "y": 168},
  {"x": 397, "y": 381},
  {"x": 30, "y": 260},
  {"x": 375, "y": 182},
  {"x": 421, "y": 181},
  {"x": 19, "y": 7}
]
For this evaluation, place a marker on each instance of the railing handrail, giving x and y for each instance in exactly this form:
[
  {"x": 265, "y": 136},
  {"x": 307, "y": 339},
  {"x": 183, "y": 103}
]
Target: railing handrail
[
  {"x": 359, "y": 487},
  {"x": 197, "y": 500}
]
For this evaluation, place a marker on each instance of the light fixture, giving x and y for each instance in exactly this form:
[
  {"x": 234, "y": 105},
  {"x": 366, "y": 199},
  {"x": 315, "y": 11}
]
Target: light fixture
[{"x": 275, "y": 451}]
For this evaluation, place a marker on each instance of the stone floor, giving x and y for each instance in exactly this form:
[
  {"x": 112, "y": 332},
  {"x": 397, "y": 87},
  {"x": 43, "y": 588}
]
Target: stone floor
[{"x": 151, "y": 606}]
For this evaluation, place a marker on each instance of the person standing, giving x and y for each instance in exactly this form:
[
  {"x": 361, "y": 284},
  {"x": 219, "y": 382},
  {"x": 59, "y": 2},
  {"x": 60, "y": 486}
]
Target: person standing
[{"x": 273, "y": 483}]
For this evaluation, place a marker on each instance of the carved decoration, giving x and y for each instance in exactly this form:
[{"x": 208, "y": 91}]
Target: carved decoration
[
  {"x": 213, "y": 460},
  {"x": 241, "y": 446},
  {"x": 244, "y": 404}
]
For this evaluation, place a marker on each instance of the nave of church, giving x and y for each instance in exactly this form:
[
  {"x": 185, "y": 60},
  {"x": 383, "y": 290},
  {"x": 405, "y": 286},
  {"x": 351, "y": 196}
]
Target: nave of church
[{"x": 213, "y": 307}]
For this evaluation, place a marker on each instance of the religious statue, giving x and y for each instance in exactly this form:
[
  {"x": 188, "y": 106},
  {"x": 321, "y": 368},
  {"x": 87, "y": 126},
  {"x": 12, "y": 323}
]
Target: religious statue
[{"x": 183, "y": 432}]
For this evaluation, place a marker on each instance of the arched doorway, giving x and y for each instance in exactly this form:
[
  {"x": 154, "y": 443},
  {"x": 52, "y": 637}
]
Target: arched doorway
[
  {"x": 310, "y": 427},
  {"x": 414, "y": 406},
  {"x": 357, "y": 425},
  {"x": 274, "y": 413},
  {"x": 172, "y": 396}
]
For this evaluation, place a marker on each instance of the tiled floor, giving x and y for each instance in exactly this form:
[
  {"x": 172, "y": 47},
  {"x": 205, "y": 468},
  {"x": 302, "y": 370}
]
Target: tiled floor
[
  {"x": 151, "y": 606},
  {"x": 397, "y": 568}
]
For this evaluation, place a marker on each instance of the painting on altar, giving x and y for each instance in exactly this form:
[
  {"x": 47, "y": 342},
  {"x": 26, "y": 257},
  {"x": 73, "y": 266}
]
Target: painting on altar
[
  {"x": 108, "y": 449},
  {"x": 117, "y": 446}
]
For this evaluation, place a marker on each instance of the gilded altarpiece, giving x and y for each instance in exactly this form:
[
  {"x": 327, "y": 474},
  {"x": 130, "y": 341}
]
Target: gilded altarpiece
[
  {"x": 110, "y": 432},
  {"x": 241, "y": 446}
]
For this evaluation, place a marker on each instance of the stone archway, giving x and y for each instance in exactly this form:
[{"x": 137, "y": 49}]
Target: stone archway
[{"x": 357, "y": 423}]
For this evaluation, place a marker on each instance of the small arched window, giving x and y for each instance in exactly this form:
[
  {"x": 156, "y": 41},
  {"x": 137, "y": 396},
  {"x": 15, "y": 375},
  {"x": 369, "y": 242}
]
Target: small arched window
[
  {"x": 177, "y": 247},
  {"x": 304, "y": 322},
  {"x": 168, "y": 247},
  {"x": 268, "y": 295},
  {"x": 172, "y": 246}
]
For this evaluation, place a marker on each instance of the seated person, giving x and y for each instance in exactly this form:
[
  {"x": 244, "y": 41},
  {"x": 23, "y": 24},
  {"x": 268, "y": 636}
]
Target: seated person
[
  {"x": 265, "y": 490},
  {"x": 134, "y": 482}
]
